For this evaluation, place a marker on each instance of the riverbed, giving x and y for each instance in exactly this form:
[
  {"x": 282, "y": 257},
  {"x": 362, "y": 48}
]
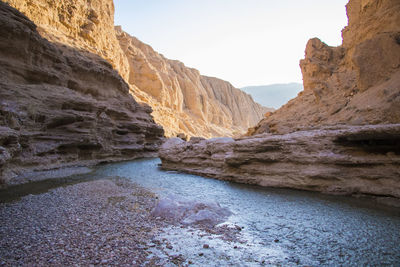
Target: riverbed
[
  {"x": 279, "y": 226},
  {"x": 260, "y": 226}
]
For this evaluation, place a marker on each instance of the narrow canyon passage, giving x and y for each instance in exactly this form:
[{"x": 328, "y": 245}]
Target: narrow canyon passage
[{"x": 88, "y": 112}]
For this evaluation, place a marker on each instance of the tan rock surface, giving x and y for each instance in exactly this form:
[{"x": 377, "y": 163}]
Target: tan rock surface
[
  {"x": 183, "y": 101},
  {"x": 85, "y": 24},
  {"x": 356, "y": 83},
  {"x": 338, "y": 160},
  {"x": 62, "y": 106}
]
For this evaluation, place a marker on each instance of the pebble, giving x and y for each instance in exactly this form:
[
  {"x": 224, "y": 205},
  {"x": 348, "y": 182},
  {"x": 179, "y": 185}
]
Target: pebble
[
  {"x": 206, "y": 246},
  {"x": 85, "y": 224}
]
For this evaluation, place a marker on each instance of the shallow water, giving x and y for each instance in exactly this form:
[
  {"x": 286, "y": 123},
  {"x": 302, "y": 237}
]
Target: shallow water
[{"x": 280, "y": 227}]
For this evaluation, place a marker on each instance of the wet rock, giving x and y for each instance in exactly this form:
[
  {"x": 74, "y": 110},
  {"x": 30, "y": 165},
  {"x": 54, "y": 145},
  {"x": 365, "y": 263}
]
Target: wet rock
[
  {"x": 238, "y": 228},
  {"x": 191, "y": 212}
]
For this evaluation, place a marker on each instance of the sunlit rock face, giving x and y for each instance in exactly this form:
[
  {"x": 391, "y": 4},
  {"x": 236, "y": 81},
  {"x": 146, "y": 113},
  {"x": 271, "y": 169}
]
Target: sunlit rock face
[
  {"x": 63, "y": 106},
  {"x": 183, "y": 101},
  {"x": 356, "y": 83},
  {"x": 339, "y": 136},
  {"x": 83, "y": 24},
  {"x": 337, "y": 160}
]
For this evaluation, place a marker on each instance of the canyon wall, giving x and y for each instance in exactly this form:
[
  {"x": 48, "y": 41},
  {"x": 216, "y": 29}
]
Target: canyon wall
[
  {"x": 62, "y": 106},
  {"x": 356, "y": 83},
  {"x": 351, "y": 160},
  {"x": 341, "y": 135},
  {"x": 183, "y": 101}
]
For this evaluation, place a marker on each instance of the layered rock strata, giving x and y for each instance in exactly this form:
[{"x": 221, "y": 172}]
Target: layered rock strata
[
  {"x": 342, "y": 160},
  {"x": 183, "y": 100},
  {"x": 62, "y": 106},
  {"x": 300, "y": 145},
  {"x": 356, "y": 83}
]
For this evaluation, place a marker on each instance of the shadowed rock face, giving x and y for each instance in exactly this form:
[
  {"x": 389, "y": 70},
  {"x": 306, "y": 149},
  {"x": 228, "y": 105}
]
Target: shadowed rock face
[
  {"x": 183, "y": 101},
  {"x": 341, "y": 160},
  {"x": 356, "y": 83},
  {"x": 62, "y": 106}
]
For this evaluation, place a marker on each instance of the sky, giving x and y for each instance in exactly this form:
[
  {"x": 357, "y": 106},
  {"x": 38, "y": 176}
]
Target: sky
[{"x": 246, "y": 42}]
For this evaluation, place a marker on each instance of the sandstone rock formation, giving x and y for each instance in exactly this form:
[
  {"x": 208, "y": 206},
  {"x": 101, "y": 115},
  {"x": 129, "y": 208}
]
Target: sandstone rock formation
[
  {"x": 342, "y": 160},
  {"x": 61, "y": 106},
  {"x": 183, "y": 101},
  {"x": 356, "y": 83},
  {"x": 312, "y": 142},
  {"x": 86, "y": 25}
]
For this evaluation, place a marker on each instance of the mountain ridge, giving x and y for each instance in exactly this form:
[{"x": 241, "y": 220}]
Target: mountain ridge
[{"x": 273, "y": 95}]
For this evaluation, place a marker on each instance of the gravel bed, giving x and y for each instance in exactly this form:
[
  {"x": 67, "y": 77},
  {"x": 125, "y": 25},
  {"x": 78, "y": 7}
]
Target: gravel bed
[{"x": 102, "y": 222}]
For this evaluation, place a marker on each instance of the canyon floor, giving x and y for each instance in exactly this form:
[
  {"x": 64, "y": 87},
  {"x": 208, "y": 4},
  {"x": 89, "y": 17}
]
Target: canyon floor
[
  {"x": 98, "y": 222},
  {"x": 106, "y": 221},
  {"x": 176, "y": 219}
]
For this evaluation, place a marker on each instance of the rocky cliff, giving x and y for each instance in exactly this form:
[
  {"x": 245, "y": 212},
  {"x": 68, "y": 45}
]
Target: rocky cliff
[
  {"x": 313, "y": 142},
  {"x": 351, "y": 160},
  {"x": 183, "y": 100},
  {"x": 356, "y": 83},
  {"x": 63, "y": 106}
]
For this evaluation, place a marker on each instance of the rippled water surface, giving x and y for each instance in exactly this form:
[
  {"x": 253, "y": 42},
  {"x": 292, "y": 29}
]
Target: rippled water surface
[{"x": 280, "y": 227}]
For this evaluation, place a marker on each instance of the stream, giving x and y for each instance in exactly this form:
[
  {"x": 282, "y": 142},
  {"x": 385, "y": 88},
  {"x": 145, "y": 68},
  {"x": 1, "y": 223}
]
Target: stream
[
  {"x": 263, "y": 226},
  {"x": 280, "y": 226}
]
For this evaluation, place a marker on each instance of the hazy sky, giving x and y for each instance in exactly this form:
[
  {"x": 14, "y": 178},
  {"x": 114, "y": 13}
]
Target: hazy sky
[{"x": 246, "y": 42}]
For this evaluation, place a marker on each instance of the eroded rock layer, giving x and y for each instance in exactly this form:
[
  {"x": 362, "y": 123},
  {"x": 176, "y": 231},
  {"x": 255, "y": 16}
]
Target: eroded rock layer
[
  {"x": 183, "y": 101},
  {"x": 342, "y": 160},
  {"x": 312, "y": 142},
  {"x": 61, "y": 106},
  {"x": 357, "y": 83}
]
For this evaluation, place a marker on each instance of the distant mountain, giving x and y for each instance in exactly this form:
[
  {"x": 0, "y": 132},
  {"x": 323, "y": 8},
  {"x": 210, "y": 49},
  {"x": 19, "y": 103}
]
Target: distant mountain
[{"x": 273, "y": 95}]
